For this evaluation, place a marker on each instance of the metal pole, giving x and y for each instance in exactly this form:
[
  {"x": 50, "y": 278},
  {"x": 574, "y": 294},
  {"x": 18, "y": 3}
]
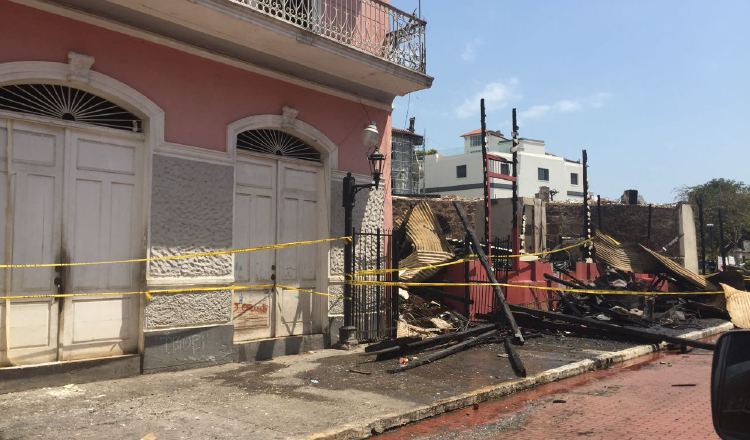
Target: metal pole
[
  {"x": 514, "y": 221},
  {"x": 701, "y": 225},
  {"x": 721, "y": 242},
  {"x": 347, "y": 333},
  {"x": 586, "y": 210},
  {"x": 395, "y": 297},
  {"x": 379, "y": 289},
  {"x": 487, "y": 191}
]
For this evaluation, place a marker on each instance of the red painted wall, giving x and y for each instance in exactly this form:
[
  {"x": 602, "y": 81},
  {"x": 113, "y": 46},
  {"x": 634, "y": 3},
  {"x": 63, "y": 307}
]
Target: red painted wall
[{"x": 200, "y": 97}]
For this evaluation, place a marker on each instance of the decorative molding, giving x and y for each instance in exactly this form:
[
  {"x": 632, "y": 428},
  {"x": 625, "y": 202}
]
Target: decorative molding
[
  {"x": 194, "y": 153},
  {"x": 338, "y": 175},
  {"x": 187, "y": 282},
  {"x": 79, "y": 66},
  {"x": 288, "y": 116}
]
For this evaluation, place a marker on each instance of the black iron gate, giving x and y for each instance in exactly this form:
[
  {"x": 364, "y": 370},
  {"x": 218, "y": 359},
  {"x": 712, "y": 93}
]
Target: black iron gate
[{"x": 375, "y": 307}]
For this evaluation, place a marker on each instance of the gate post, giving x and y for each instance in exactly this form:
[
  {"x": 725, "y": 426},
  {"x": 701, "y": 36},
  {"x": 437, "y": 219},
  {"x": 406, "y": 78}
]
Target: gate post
[{"x": 395, "y": 296}]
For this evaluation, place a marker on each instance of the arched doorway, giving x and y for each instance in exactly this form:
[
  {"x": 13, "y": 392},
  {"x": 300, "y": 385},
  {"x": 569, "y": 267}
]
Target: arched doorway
[
  {"x": 72, "y": 164},
  {"x": 280, "y": 197}
]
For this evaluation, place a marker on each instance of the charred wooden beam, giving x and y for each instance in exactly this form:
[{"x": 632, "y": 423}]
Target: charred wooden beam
[
  {"x": 616, "y": 329},
  {"x": 385, "y": 353},
  {"x": 474, "y": 340},
  {"x": 477, "y": 246}
]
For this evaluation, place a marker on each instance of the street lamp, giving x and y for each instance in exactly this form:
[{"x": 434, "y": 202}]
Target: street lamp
[{"x": 371, "y": 140}]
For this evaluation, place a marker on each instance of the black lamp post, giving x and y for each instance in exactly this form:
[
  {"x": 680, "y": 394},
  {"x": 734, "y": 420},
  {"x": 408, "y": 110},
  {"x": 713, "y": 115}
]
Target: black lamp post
[{"x": 371, "y": 140}]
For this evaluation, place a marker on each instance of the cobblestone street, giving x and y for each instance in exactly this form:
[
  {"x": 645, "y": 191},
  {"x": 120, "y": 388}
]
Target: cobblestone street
[{"x": 663, "y": 396}]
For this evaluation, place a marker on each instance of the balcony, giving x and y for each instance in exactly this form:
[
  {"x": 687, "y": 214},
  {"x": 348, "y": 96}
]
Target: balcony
[
  {"x": 367, "y": 48},
  {"x": 371, "y": 26}
]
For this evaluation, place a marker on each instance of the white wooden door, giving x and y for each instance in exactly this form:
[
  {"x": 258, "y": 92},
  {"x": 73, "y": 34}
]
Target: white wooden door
[
  {"x": 75, "y": 198},
  {"x": 103, "y": 222},
  {"x": 254, "y": 225},
  {"x": 297, "y": 266},
  {"x": 276, "y": 201},
  {"x": 37, "y": 172}
]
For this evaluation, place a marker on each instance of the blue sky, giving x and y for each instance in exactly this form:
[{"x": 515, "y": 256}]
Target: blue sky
[{"x": 658, "y": 92}]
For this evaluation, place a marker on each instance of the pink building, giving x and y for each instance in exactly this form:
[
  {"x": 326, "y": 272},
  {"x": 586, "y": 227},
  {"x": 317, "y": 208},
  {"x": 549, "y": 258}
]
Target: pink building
[{"x": 132, "y": 129}]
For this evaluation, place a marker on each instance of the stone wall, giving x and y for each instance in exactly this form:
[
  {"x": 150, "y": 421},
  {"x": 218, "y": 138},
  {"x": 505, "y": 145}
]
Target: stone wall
[
  {"x": 626, "y": 223},
  {"x": 191, "y": 211}
]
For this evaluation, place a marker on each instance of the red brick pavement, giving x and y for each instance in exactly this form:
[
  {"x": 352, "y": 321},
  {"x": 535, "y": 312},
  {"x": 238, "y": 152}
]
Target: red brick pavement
[{"x": 626, "y": 402}]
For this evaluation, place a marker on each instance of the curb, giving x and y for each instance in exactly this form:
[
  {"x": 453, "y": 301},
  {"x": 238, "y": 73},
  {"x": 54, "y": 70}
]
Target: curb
[{"x": 364, "y": 429}]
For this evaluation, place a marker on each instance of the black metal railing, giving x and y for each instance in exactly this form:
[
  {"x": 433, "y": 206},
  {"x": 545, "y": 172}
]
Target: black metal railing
[{"x": 375, "y": 307}]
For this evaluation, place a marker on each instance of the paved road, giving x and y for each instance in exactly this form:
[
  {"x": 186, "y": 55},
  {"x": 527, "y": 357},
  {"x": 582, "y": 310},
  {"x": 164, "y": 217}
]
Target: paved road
[{"x": 664, "y": 396}]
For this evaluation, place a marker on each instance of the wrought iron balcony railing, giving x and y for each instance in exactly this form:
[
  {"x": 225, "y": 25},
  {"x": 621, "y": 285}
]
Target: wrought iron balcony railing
[{"x": 371, "y": 26}]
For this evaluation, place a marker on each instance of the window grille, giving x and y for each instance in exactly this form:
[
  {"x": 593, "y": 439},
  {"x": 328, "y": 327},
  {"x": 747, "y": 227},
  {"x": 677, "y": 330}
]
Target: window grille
[
  {"x": 277, "y": 143},
  {"x": 68, "y": 104}
]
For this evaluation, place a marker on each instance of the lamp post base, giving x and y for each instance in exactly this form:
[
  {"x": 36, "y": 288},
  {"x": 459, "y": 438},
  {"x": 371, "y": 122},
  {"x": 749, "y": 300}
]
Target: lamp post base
[{"x": 347, "y": 338}]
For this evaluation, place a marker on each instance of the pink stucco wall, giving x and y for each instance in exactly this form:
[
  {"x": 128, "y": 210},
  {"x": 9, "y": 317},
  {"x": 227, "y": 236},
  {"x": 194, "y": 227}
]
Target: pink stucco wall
[{"x": 200, "y": 97}]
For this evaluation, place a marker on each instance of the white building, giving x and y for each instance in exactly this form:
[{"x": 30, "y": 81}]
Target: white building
[{"x": 461, "y": 174}]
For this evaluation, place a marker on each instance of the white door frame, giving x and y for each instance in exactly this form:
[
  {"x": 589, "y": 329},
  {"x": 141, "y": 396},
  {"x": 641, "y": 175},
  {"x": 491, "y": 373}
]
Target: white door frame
[
  {"x": 289, "y": 123},
  {"x": 109, "y": 88}
]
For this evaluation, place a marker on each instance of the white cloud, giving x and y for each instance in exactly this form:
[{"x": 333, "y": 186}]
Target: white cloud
[
  {"x": 567, "y": 105},
  {"x": 596, "y": 100},
  {"x": 535, "y": 112},
  {"x": 497, "y": 95},
  {"x": 470, "y": 49}
]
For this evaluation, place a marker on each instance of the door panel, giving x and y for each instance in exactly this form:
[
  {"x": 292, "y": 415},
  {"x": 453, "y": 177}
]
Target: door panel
[
  {"x": 37, "y": 221},
  {"x": 103, "y": 222},
  {"x": 254, "y": 225},
  {"x": 298, "y": 221}
]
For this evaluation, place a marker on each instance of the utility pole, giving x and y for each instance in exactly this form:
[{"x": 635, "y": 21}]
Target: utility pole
[
  {"x": 586, "y": 210},
  {"x": 514, "y": 229},
  {"x": 487, "y": 189},
  {"x": 699, "y": 202}
]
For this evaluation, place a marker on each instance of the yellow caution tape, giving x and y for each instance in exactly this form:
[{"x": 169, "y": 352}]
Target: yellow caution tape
[
  {"x": 553, "y": 251},
  {"x": 429, "y": 266},
  {"x": 179, "y": 256},
  {"x": 529, "y": 286},
  {"x": 149, "y": 293},
  {"x": 463, "y": 260}
]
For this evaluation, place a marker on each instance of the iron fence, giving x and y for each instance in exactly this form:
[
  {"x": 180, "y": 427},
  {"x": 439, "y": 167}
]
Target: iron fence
[{"x": 375, "y": 307}]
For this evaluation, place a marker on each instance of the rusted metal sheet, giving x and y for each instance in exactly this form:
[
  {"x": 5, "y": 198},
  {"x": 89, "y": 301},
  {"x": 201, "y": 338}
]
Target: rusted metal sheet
[
  {"x": 738, "y": 306},
  {"x": 430, "y": 246},
  {"x": 680, "y": 272},
  {"x": 622, "y": 256}
]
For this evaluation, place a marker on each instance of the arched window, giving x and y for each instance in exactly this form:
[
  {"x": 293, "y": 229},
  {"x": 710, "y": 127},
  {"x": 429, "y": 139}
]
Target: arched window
[
  {"x": 278, "y": 143},
  {"x": 68, "y": 104}
]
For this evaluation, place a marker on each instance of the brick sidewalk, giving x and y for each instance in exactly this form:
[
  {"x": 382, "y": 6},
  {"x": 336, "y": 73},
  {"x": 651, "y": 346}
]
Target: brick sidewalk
[{"x": 631, "y": 402}]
